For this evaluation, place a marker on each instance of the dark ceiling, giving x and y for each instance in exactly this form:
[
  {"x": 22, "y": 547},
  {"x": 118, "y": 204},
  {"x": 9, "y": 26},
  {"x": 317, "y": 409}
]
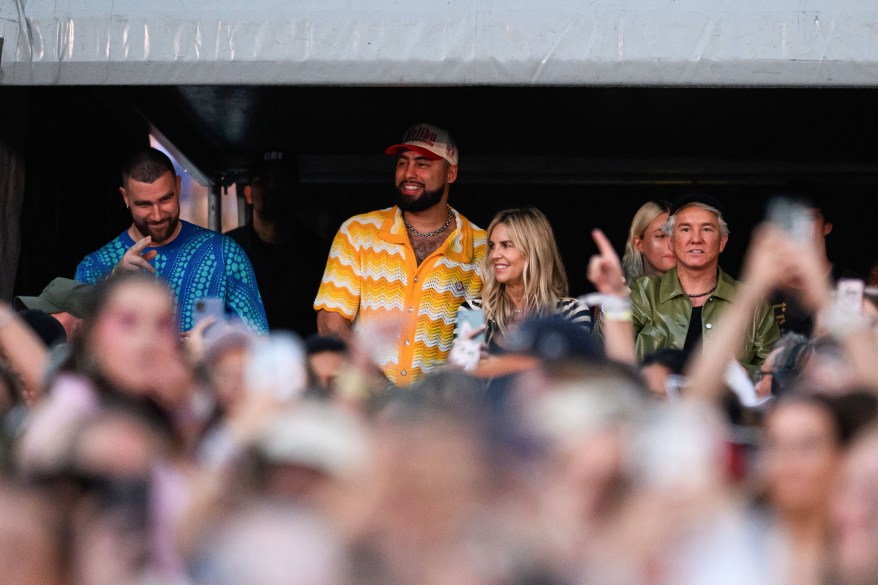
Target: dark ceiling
[{"x": 620, "y": 134}]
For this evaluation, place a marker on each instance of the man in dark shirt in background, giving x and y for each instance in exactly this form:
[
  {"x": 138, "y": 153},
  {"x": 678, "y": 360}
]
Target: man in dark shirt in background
[{"x": 287, "y": 256}]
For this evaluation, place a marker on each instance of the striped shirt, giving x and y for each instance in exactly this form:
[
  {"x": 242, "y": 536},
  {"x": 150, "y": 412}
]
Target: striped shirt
[
  {"x": 373, "y": 279},
  {"x": 571, "y": 309}
]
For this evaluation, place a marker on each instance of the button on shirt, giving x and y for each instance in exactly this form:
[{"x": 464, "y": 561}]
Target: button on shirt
[
  {"x": 661, "y": 313},
  {"x": 372, "y": 275}
]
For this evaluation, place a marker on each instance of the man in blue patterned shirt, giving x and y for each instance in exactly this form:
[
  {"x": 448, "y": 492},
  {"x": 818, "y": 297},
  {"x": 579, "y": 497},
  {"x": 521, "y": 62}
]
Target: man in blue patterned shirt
[{"x": 195, "y": 262}]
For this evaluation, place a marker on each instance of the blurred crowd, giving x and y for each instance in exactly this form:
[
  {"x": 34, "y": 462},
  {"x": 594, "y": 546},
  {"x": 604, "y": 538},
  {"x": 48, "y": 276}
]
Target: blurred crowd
[
  {"x": 458, "y": 418},
  {"x": 135, "y": 456}
]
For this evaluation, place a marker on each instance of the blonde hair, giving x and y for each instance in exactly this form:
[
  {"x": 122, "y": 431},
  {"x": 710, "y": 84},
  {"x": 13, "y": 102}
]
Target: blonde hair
[
  {"x": 545, "y": 280},
  {"x": 632, "y": 261}
]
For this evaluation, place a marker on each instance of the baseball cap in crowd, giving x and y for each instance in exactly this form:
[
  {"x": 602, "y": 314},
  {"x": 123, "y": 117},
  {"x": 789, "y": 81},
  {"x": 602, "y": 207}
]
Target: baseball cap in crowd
[
  {"x": 691, "y": 198},
  {"x": 553, "y": 339},
  {"x": 62, "y": 295},
  {"x": 431, "y": 141},
  {"x": 273, "y": 159},
  {"x": 45, "y": 326}
]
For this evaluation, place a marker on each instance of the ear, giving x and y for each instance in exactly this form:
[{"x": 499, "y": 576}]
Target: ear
[
  {"x": 452, "y": 173},
  {"x": 638, "y": 243},
  {"x": 125, "y": 197},
  {"x": 179, "y": 183},
  {"x": 248, "y": 194},
  {"x": 723, "y": 242},
  {"x": 827, "y": 228}
]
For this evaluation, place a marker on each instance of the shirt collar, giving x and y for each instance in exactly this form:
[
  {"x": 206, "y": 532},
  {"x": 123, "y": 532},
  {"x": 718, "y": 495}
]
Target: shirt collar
[
  {"x": 458, "y": 246},
  {"x": 670, "y": 287}
]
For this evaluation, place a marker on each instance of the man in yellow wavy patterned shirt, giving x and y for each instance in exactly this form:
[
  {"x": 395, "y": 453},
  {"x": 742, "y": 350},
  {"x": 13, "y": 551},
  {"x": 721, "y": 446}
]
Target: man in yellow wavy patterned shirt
[{"x": 407, "y": 268}]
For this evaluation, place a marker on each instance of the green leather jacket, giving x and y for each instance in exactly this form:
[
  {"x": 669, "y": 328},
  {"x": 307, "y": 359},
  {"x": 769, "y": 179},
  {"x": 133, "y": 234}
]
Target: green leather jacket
[{"x": 661, "y": 312}]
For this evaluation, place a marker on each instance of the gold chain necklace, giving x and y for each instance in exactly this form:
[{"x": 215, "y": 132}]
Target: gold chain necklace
[{"x": 434, "y": 232}]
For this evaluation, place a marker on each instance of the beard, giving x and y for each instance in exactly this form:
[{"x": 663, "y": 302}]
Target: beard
[
  {"x": 425, "y": 200},
  {"x": 159, "y": 234}
]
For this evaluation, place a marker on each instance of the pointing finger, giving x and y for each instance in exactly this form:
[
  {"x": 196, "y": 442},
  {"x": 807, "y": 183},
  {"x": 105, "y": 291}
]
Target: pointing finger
[{"x": 604, "y": 246}]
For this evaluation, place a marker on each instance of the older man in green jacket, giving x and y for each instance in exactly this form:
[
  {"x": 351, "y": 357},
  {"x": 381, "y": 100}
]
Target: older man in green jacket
[{"x": 682, "y": 307}]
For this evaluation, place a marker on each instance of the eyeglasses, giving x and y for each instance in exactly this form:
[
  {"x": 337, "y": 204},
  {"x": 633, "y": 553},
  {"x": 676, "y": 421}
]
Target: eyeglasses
[{"x": 762, "y": 374}]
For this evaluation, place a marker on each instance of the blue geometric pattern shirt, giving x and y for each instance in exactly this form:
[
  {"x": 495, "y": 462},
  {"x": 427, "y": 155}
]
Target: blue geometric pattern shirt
[{"x": 197, "y": 263}]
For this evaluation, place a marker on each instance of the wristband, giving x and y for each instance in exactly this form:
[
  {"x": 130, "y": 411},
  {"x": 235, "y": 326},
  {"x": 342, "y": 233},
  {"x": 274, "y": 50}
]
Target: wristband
[
  {"x": 607, "y": 315},
  {"x": 612, "y": 308}
]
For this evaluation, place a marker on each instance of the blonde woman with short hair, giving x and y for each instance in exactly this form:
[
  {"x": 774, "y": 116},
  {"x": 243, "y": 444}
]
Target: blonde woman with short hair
[{"x": 648, "y": 249}]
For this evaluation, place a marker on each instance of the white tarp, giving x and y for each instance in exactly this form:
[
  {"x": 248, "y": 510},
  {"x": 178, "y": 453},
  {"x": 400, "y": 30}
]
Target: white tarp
[{"x": 444, "y": 42}]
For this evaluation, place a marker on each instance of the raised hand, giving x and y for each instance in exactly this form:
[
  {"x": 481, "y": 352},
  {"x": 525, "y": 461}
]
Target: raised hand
[
  {"x": 605, "y": 269},
  {"x": 136, "y": 258}
]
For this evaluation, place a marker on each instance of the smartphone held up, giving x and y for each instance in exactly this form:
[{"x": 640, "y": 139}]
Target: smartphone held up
[{"x": 794, "y": 217}]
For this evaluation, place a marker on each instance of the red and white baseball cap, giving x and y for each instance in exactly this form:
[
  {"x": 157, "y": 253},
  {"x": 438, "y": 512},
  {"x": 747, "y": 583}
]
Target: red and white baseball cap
[{"x": 431, "y": 141}]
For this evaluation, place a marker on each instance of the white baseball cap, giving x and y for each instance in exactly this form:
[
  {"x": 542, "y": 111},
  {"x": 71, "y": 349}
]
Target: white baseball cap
[{"x": 428, "y": 140}]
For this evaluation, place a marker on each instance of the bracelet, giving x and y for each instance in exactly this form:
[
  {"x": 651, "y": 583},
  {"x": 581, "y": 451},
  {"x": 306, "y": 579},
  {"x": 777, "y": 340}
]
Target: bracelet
[
  {"x": 6, "y": 315},
  {"x": 612, "y": 308},
  {"x": 616, "y": 315}
]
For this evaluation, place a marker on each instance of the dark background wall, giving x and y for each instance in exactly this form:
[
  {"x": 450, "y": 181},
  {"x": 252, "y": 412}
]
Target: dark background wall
[{"x": 588, "y": 157}]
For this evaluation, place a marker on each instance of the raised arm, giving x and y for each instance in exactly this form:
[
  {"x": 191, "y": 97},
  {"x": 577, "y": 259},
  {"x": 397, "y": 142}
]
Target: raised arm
[
  {"x": 768, "y": 263},
  {"x": 605, "y": 273},
  {"x": 26, "y": 353}
]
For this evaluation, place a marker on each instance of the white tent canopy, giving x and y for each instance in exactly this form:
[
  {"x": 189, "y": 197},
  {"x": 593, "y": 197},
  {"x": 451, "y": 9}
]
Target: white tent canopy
[{"x": 440, "y": 42}]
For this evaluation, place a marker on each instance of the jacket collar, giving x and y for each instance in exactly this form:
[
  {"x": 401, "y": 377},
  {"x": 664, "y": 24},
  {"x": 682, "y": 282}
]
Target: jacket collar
[
  {"x": 670, "y": 287},
  {"x": 458, "y": 246}
]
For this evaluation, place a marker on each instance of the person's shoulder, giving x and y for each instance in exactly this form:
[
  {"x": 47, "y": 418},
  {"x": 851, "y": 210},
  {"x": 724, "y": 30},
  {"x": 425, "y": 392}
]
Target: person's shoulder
[
  {"x": 573, "y": 308},
  {"x": 365, "y": 226},
  {"x": 115, "y": 247},
  {"x": 645, "y": 284},
  {"x": 376, "y": 217},
  {"x": 188, "y": 230},
  {"x": 239, "y": 233}
]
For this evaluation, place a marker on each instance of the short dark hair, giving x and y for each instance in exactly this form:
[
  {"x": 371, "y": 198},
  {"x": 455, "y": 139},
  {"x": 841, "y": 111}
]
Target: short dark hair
[
  {"x": 320, "y": 343},
  {"x": 672, "y": 358},
  {"x": 147, "y": 166}
]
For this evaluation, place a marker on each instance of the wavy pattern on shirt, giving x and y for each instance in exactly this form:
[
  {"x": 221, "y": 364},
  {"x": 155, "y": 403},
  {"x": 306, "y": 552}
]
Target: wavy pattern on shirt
[{"x": 371, "y": 275}]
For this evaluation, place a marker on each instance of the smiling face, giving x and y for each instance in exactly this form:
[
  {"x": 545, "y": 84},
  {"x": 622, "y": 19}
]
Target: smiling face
[
  {"x": 507, "y": 260},
  {"x": 421, "y": 182},
  {"x": 155, "y": 207},
  {"x": 696, "y": 239},
  {"x": 655, "y": 245}
]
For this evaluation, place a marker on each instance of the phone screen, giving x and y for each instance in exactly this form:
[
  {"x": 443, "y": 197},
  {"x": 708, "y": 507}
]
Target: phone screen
[
  {"x": 849, "y": 294},
  {"x": 209, "y": 307},
  {"x": 468, "y": 320}
]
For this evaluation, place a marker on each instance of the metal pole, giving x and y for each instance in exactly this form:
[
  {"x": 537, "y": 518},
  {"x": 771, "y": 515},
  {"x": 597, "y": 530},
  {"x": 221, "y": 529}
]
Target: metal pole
[
  {"x": 215, "y": 206},
  {"x": 242, "y": 204}
]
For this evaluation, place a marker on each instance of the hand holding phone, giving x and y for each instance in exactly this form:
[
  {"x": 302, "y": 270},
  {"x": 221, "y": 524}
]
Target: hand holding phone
[
  {"x": 469, "y": 338},
  {"x": 209, "y": 307},
  {"x": 792, "y": 217},
  {"x": 849, "y": 295},
  {"x": 470, "y": 324}
]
